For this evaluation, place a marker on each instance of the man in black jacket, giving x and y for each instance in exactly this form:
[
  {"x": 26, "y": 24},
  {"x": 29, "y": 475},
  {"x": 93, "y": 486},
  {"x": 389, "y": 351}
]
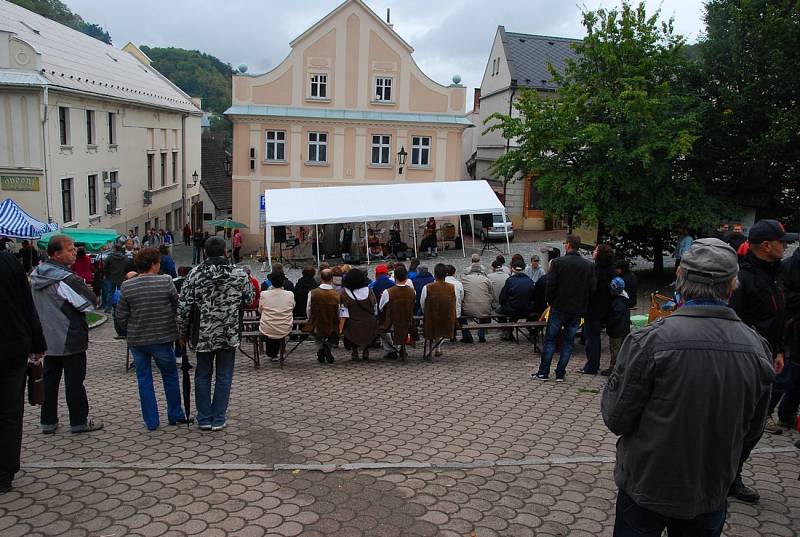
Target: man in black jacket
[
  {"x": 21, "y": 334},
  {"x": 516, "y": 297},
  {"x": 688, "y": 394},
  {"x": 787, "y": 386},
  {"x": 759, "y": 302},
  {"x": 570, "y": 283}
]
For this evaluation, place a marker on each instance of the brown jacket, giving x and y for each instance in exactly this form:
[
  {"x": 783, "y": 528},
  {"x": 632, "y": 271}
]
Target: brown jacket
[
  {"x": 399, "y": 312},
  {"x": 324, "y": 319},
  {"x": 440, "y": 310},
  {"x": 361, "y": 327}
]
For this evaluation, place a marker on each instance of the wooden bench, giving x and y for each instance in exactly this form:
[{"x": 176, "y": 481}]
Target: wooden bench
[{"x": 530, "y": 330}]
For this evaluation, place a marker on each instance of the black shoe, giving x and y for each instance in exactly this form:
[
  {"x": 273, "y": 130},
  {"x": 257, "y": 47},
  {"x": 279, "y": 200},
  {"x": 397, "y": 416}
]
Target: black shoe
[
  {"x": 321, "y": 356},
  {"x": 184, "y": 421},
  {"x": 329, "y": 356},
  {"x": 365, "y": 355},
  {"x": 606, "y": 372},
  {"x": 467, "y": 340},
  {"x": 5, "y": 486},
  {"x": 481, "y": 340},
  {"x": 584, "y": 372},
  {"x": 390, "y": 356},
  {"x": 743, "y": 493}
]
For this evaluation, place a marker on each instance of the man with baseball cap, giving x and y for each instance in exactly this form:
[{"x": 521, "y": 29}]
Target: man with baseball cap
[
  {"x": 688, "y": 395},
  {"x": 759, "y": 302}
]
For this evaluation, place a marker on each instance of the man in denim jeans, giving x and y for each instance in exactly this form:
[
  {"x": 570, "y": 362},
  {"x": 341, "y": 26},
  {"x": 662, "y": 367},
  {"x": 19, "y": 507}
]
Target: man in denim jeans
[
  {"x": 211, "y": 303},
  {"x": 571, "y": 281}
]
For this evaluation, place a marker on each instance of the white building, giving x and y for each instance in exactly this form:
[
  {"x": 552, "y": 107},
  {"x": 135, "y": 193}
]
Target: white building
[
  {"x": 517, "y": 61},
  {"x": 90, "y": 135}
]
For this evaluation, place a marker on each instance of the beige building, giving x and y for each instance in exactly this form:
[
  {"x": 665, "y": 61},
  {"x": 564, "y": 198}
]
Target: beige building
[
  {"x": 337, "y": 111},
  {"x": 516, "y": 62},
  {"x": 92, "y": 136}
]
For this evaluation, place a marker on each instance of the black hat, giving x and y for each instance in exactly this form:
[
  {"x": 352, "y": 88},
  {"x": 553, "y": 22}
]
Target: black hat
[{"x": 769, "y": 230}]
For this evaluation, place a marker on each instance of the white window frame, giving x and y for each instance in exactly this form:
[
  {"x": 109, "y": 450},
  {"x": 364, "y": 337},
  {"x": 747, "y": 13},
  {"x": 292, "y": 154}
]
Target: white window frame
[
  {"x": 271, "y": 137},
  {"x": 420, "y": 150},
  {"x": 91, "y": 192},
  {"x": 91, "y": 130},
  {"x": 112, "y": 128},
  {"x": 63, "y": 126},
  {"x": 317, "y": 147},
  {"x": 384, "y": 146},
  {"x": 111, "y": 188},
  {"x": 381, "y": 88},
  {"x": 318, "y": 83},
  {"x": 70, "y": 199}
]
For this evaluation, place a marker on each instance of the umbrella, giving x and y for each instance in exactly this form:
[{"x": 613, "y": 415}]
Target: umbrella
[
  {"x": 227, "y": 224},
  {"x": 187, "y": 384}
]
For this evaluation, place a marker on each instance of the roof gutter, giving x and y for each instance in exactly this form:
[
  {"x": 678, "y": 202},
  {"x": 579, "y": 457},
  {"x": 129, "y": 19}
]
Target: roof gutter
[{"x": 122, "y": 100}]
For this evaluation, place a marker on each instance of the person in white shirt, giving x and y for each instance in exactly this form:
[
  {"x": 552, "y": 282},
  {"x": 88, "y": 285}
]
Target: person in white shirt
[
  {"x": 498, "y": 278},
  {"x": 276, "y": 307}
]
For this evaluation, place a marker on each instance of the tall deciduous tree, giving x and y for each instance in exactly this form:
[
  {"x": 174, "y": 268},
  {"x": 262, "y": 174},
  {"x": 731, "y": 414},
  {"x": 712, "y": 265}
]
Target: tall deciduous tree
[
  {"x": 608, "y": 148},
  {"x": 749, "y": 148}
]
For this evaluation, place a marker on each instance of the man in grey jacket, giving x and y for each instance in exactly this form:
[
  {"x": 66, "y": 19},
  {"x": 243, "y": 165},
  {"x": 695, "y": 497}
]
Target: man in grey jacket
[
  {"x": 688, "y": 395},
  {"x": 62, "y": 300}
]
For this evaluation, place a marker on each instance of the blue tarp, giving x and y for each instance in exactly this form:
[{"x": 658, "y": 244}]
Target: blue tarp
[{"x": 16, "y": 223}]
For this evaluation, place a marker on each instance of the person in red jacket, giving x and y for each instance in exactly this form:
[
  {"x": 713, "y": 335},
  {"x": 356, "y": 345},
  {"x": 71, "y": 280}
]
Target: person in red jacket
[{"x": 83, "y": 266}]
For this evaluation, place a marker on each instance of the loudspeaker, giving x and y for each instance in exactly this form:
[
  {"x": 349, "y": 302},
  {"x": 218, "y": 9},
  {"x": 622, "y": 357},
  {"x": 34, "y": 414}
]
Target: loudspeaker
[
  {"x": 280, "y": 233},
  {"x": 486, "y": 220}
]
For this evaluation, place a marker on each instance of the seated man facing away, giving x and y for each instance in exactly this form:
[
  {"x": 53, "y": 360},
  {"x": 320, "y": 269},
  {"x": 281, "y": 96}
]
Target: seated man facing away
[
  {"x": 322, "y": 311},
  {"x": 397, "y": 309},
  {"x": 276, "y": 308}
]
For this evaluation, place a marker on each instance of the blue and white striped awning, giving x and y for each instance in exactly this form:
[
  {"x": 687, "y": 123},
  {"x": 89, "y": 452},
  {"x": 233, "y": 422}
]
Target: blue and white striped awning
[{"x": 16, "y": 223}]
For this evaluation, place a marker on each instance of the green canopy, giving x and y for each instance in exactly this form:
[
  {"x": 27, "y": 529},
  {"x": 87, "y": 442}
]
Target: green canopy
[
  {"x": 227, "y": 224},
  {"x": 92, "y": 239}
]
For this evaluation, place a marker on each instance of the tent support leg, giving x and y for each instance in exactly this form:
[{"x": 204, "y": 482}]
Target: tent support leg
[
  {"x": 505, "y": 227},
  {"x": 461, "y": 233},
  {"x": 268, "y": 245},
  {"x": 316, "y": 238},
  {"x": 366, "y": 240},
  {"x": 414, "y": 234},
  {"x": 472, "y": 229}
]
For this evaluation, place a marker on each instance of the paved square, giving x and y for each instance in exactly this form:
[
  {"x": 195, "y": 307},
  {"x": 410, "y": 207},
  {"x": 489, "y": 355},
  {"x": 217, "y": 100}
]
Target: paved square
[{"x": 466, "y": 445}]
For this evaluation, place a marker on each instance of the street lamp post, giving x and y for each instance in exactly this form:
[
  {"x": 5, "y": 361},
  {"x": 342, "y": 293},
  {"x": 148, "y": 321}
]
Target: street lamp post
[{"x": 401, "y": 158}]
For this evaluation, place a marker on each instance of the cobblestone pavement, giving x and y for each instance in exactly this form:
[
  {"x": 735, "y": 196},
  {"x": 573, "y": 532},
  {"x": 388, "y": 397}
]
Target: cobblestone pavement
[{"x": 466, "y": 445}]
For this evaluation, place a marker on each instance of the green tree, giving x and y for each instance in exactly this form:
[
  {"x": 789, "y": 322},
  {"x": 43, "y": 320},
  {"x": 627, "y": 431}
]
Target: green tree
[
  {"x": 609, "y": 148},
  {"x": 196, "y": 73},
  {"x": 59, "y": 12},
  {"x": 749, "y": 146}
]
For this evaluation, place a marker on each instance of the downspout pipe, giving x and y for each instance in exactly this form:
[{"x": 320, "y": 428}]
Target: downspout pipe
[{"x": 46, "y": 154}]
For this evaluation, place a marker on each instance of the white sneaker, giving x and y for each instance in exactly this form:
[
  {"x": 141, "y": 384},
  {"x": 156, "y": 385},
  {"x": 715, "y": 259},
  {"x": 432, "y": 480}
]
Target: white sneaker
[{"x": 218, "y": 427}]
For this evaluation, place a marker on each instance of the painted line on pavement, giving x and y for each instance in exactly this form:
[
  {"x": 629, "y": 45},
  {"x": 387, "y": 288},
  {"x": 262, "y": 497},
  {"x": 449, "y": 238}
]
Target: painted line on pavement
[{"x": 551, "y": 461}]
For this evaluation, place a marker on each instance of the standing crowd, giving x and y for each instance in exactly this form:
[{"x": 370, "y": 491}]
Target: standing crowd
[{"x": 690, "y": 395}]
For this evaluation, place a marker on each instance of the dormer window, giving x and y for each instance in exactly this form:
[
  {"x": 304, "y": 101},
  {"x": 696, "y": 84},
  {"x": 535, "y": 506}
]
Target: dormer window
[
  {"x": 319, "y": 86},
  {"x": 383, "y": 89}
]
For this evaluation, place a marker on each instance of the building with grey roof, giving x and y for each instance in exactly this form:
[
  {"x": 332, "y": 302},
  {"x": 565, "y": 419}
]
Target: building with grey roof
[
  {"x": 92, "y": 135},
  {"x": 516, "y": 61}
]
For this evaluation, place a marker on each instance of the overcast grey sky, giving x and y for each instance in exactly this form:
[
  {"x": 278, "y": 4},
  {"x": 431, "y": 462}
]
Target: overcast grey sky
[{"x": 449, "y": 37}]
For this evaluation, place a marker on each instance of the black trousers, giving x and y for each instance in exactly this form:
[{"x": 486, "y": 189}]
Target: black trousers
[
  {"x": 12, "y": 401},
  {"x": 73, "y": 367},
  {"x": 272, "y": 346}
]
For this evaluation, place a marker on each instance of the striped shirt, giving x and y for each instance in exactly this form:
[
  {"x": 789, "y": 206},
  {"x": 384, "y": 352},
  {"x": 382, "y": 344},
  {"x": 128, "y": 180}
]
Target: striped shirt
[{"x": 146, "y": 308}]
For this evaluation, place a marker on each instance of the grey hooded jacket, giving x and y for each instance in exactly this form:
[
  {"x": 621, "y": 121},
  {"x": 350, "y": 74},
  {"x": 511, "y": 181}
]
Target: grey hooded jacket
[
  {"x": 688, "y": 395},
  {"x": 62, "y": 300}
]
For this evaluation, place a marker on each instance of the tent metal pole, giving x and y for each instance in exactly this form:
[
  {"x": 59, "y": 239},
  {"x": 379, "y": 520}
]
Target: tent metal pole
[
  {"x": 414, "y": 233},
  {"x": 461, "y": 231},
  {"x": 472, "y": 229},
  {"x": 505, "y": 227},
  {"x": 366, "y": 240},
  {"x": 268, "y": 245},
  {"x": 316, "y": 238}
]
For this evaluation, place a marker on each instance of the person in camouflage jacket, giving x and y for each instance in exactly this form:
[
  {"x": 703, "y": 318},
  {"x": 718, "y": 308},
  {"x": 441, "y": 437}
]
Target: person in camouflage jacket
[{"x": 210, "y": 306}]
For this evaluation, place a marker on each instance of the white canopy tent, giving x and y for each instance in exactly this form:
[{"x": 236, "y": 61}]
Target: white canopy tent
[{"x": 368, "y": 203}]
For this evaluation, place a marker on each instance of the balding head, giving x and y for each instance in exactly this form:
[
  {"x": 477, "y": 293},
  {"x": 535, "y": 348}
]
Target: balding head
[{"x": 326, "y": 275}]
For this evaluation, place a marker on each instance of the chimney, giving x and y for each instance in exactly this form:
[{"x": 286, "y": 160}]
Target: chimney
[
  {"x": 388, "y": 16},
  {"x": 476, "y": 102}
]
